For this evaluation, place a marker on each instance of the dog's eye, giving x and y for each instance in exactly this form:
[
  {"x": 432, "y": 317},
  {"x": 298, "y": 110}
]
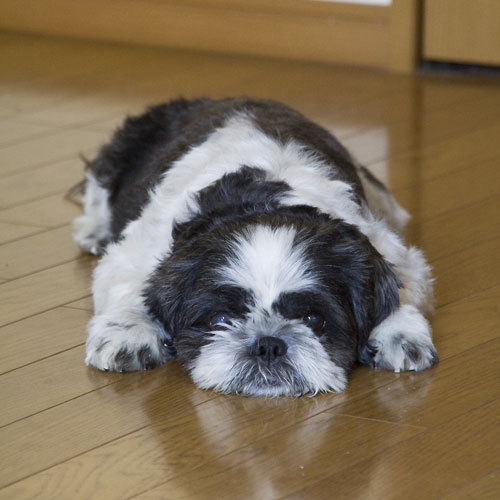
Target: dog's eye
[
  {"x": 219, "y": 319},
  {"x": 314, "y": 321}
]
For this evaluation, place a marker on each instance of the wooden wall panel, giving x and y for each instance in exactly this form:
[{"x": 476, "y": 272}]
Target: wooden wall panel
[
  {"x": 462, "y": 31},
  {"x": 296, "y": 29}
]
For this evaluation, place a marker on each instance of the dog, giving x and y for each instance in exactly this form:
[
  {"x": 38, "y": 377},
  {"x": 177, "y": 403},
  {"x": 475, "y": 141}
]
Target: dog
[{"x": 245, "y": 241}]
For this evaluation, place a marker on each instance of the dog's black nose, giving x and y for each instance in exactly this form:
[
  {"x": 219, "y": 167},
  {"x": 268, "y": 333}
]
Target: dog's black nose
[{"x": 269, "y": 348}]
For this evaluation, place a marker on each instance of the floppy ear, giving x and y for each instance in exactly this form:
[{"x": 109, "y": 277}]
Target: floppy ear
[
  {"x": 167, "y": 289},
  {"x": 385, "y": 291},
  {"x": 370, "y": 280},
  {"x": 383, "y": 301},
  {"x": 381, "y": 297},
  {"x": 170, "y": 295}
]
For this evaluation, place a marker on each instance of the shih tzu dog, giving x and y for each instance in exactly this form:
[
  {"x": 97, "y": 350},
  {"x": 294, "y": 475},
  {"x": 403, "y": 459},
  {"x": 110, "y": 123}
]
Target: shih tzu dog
[{"x": 243, "y": 240}]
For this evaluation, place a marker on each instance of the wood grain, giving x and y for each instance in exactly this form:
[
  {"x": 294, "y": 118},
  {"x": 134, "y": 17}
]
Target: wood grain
[
  {"x": 486, "y": 487},
  {"x": 41, "y": 336},
  {"x": 45, "y": 290},
  {"x": 454, "y": 153},
  {"x": 10, "y": 232},
  {"x": 466, "y": 272},
  {"x": 404, "y": 35},
  {"x": 428, "y": 128},
  {"x": 53, "y": 247},
  {"x": 91, "y": 420},
  {"x": 37, "y": 183},
  {"x": 463, "y": 187},
  {"x": 50, "y": 148},
  {"x": 31, "y": 389},
  {"x": 475, "y": 372},
  {"x": 85, "y": 304},
  {"x": 429, "y": 464},
  {"x": 470, "y": 225},
  {"x": 207, "y": 433},
  {"x": 461, "y": 325},
  {"x": 12, "y": 132},
  {"x": 49, "y": 212}
]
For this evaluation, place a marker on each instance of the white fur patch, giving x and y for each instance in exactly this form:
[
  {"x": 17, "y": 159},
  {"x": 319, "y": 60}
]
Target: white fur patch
[
  {"x": 106, "y": 338},
  {"x": 403, "y": 331},
  {"x": 94, "y": 225},
  {"x": 267, "y": 263}
]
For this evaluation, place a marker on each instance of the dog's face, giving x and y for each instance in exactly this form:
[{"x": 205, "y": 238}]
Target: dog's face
[{"x": 272, "y": 306}]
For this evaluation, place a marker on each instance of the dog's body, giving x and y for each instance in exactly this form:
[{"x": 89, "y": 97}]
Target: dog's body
[{"x": 244, "y": 240}]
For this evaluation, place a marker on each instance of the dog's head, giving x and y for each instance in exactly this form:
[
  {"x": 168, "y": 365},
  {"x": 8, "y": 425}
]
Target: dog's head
[{"x": 272, "y": 304}]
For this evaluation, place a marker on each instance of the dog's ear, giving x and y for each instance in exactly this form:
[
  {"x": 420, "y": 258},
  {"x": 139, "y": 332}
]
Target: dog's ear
[
  {"x": 374, "y": 295},
  {"x": 382, "y": 301},
  {"x": 167, "y": 289},
  {"x": 370, "y": 281},
  {"x": 379, "y": 298},
  {"x": 385, "y": 290}
]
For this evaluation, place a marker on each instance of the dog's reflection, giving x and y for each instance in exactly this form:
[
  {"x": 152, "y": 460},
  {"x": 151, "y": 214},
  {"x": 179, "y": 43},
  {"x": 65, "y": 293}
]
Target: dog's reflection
[{"x": 240, "y": 447}]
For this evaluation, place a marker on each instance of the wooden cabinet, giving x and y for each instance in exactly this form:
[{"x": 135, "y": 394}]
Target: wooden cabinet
[{"x": 466, "y": 31}]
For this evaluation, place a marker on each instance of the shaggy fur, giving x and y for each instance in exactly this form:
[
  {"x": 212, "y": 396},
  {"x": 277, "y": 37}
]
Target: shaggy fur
[{"x": 242, "y": 239}]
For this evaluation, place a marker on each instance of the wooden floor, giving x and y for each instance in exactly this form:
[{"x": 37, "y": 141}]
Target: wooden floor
[{"x": 67, "y": 431}]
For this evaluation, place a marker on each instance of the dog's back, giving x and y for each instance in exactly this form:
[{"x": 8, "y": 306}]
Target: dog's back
[{"x": 147, "y": 146}]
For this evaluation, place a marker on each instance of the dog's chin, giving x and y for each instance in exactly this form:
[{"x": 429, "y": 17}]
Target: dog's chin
[
  {"x": 274, "y": 385},
  {"x": 270, "y": 385}
]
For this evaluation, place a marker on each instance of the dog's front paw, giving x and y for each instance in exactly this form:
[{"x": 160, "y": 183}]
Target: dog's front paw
[
  {"x": 126, "y": 345},
  {"x": 401, "y": 342}
]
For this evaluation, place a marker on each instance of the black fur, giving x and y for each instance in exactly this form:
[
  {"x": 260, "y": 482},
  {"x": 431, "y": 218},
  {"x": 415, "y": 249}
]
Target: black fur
[
  {"x": 124, "y": 359},
  {"x": 254, "y": 194}
]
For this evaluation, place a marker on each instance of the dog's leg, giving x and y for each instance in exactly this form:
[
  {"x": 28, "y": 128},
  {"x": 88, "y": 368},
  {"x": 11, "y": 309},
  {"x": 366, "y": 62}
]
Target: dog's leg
[
  {"x": 121, "y": 335},
  {"x": 134, "y": 343},
  {"x": 403, "y": 341}
]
